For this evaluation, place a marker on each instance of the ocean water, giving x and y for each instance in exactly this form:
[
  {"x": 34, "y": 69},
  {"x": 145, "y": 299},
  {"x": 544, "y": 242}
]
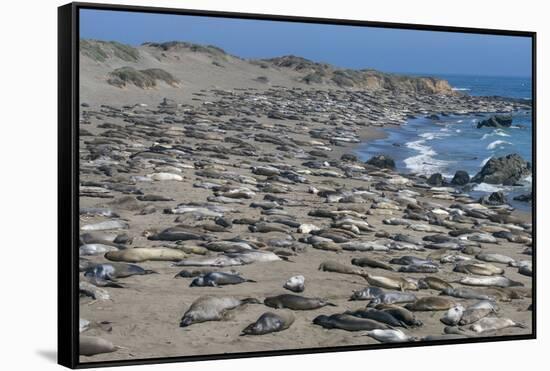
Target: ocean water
[{"x": 452, "y": 143}]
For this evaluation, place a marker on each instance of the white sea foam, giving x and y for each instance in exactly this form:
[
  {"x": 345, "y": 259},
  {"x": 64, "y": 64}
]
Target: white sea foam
[
  {"x": 461, "y": 89},
  {"x": 489, "y": 188},
  {"x": 498, "y": 132},
  {"x": 485, "y": 161},
  {"x": 497, "y": 143},
  {"x": 424, "y": 162}
]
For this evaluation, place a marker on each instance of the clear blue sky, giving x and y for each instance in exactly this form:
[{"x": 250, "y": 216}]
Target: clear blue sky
[{"x": 390, "y": 50}]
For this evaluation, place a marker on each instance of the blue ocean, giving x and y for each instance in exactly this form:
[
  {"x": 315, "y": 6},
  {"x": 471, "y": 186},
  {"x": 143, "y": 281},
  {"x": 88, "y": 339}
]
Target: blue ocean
[{"x": 452, "y": 143}]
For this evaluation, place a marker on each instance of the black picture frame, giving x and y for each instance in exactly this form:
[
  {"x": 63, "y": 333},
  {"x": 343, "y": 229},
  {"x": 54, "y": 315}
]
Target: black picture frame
[{"x": 68, "y": 170}]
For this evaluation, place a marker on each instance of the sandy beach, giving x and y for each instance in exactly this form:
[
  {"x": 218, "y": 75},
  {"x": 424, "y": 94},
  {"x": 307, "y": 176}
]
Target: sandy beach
[{"x": 289, "y": 148}]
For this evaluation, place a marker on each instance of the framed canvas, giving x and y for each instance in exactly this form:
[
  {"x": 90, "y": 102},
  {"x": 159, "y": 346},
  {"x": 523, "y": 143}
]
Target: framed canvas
[{"x": 244, "y": 185}]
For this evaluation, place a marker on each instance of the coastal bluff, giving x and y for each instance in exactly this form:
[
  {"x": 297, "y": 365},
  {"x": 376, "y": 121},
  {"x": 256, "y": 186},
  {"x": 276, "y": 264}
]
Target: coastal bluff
[{"x": 178, "y": 68}]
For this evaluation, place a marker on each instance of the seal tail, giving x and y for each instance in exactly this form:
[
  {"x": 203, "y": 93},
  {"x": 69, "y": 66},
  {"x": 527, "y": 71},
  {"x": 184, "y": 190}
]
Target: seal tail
[
  {"x": 247, "y": 280},
  {"x": 150, "y": 271},
  {"x": 328, "y": 303}
]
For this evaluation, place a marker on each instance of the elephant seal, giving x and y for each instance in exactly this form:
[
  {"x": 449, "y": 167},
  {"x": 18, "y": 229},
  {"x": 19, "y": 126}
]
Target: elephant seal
[
  {"x": 105, "y": 226},
  {"x": 332, "y": 266},
  {"x": 392, "y": 297},
  {"x": 390, "y": 283},
  {"x": 464, "y": 293},
  {"x": 95, "y": 249},
  {"x": 367, "y": 293},
  {"x": 141, "y": 254},
  {"x": 433, "y": 283},
  {"x": 390, "y": 336},
  {"x": 269, "y": 322},
  {"x": 212, "y": 308},
  {"x": 453, "y": 315},
  {"x": 371, "y": 263},
  {"x": 494, "y": 324},
  {"x": 348, "y": 322},
  {"x": 295, "y": 283},
  {"x": 92, "y": 345},
  {"x": 377, "y": 315},
  {"x": 111, "y": 271},
  {"x": 295, "y": 302},
  {"x": 218, "y": 279},
  {"x": 401, "y": 314},
  {"x": 480, "y": 269},
  {"x": 431, "y": 303},
  {"x": 176, "y": 234},
  {"x": 477, "y": 311},
  {"x": 496, "y": 281}
]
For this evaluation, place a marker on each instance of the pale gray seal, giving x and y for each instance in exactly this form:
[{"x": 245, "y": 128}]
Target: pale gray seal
[
  {"x": 269, "y": 322},
  {"x": 92, "y": 345},
  {"x": 390, "y": 336},
  {"x": 212, "y": 308},
  {"x": 431, "y": 303}
]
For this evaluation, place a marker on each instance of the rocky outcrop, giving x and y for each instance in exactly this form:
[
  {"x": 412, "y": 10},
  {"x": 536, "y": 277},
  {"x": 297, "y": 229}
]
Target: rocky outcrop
[
  {"x": 496, "y": 121},
  {"x": 494, "y": 199},
  {"x": 461, "y": 178},
  {"x": 528, "y": 197},
  {"x": 435, "y": 180},
  {"x": 382, "y": 161},
  {"x": 321, "y": 73},
  {"x": 507, "y": 170}
]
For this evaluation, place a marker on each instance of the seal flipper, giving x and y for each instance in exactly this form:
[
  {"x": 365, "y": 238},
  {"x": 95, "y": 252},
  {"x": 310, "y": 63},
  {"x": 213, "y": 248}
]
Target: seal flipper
[
  {"x": 247, "y": 280},
  {"x": 150, "y": 271},
  {"x": 250, "y": 301}
]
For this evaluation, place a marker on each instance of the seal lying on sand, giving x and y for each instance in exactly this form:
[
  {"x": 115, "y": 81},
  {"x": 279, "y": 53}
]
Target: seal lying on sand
[
  {"x": 390, "y": 336},
  {"x": 494, "y": 324},
  {"x": 141, "y": 254},
  {"x": 218, "y": 279},
  {"x": 348, "y": 322},
  {"x": 496, "y": 281},
  {"x": 92, "y": 345},
  {"x": 430, "y": 303},
  {"x": 295, "y": 302},
  {"x": 111, "y": 271},
  {"x": 269, "y": 322},
  {"x": 332, "y": 266},
  {"x": 295, "y": 283},
  {"x": 212, "y": 308}
]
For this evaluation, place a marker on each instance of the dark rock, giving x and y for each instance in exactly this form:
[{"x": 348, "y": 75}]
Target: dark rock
[
  {"x": 461, "y": 178},
  {"x": 433, "y": 117},
  {"x": 435, "y": 180},
  {"x": 382, "y": 161},
  {"x": 528, "y": 197},
  {"x": 507, "y": 170},
  {"x": 495, "y": 198},
  {"x": 497, "y": 121},
  {"x": 349, "y": 157}
]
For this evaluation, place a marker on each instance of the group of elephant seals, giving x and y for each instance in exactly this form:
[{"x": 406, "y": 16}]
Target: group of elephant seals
[
  {"x": 295, "y": 302},
  {"x": 270, "y": 322},
  {"x": 212, "y": 308}
]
